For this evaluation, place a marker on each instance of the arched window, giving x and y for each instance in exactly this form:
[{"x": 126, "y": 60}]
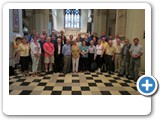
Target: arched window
[{"x": 72, "y": 18}]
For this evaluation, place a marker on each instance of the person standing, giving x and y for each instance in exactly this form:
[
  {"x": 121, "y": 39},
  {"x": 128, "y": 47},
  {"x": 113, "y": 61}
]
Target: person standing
[
  {"x": 136, "y": 51},
  {"x": 48, "y": 54},
  {"x": 63, "y": 37},
  {"x": 79, "y": 43},
  {"x": 58, "y": 55},
  {"x": 35, "y": 55},
  {"x": 105, "y": 45},
  {"x": 118, "y": 57},
  {"x": 109, "y": 56},
  {"x": 23, "y": 56},
  {"x": 125, "y": 59},
  {"x": 66, "y": 51},
  {"x": 53, "y": 39},
  {"x": 105, "y": 36},
  {"x": 99, "y": 54},
  {"x": 41, "y": 61},
  {"x": 84, "y": 56},
  {"x": 94, "y": 41},
  {"x": 75, "y": 56},
  {"x": 114, "y": 41},
  {"x": 91, "y": 52}
]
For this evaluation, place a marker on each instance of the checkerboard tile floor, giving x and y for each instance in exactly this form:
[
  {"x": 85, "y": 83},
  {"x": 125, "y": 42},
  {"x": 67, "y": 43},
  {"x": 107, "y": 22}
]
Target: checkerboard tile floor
[{"x": 72, "y": 84}]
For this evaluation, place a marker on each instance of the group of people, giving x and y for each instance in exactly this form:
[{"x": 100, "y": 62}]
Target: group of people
[{"x": 83, "y": 54}]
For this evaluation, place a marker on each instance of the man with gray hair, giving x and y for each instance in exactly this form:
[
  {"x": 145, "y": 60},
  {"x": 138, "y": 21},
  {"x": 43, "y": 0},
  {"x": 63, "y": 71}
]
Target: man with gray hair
[
  {"x": 41, "y": 61},
  {"x": 49, "y": 54},
  {"x": 66, "y": 51},
  {"x": 125, "y": 54},
  {"x": 136, "y": 51}
]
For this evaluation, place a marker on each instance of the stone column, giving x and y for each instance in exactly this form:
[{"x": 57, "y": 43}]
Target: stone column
[
  {"x": 135, "y": 27},
  {"x": 121, "y": 22},
  {"x": 46, "y": 20},
  {"x": 99, "y": 21},
  {"x": 41, "y": 20}
]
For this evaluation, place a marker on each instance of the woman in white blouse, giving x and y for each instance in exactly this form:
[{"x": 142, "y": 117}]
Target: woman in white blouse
[
  {"x": 35, "y": 54},
  {"x": 98, "y": 55}
]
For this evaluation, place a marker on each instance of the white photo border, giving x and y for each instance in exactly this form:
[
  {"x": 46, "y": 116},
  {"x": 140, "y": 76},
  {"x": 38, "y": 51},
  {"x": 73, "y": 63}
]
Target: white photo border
[{"x": 79, "y": 104}]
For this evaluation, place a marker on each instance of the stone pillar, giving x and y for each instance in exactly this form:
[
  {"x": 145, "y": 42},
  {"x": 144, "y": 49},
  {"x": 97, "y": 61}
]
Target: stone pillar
[
  {"x": 99, "y": 21},
  {"x": 95, "y": 21},
  {"x": 41, "y": 20},
  {"x": 135, "y": 27},
  {"x": 84, "y": 19},
  {"x": 46, "y": 20},
  {"x": 121, "y": 22}
]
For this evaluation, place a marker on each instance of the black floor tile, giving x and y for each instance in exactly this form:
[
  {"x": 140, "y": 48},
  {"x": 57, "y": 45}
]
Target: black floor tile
[
  {"x": 117, "y": 78},
  {"x": 94, "y": 75},
  {"x": 107, "y": 75},
  {"x": 87, "y": 73},
  {"x": 92, "y": 84},
  {"x": 113, "y": 81},
  {"x": 67, "y": 88},
  {"x": 25, "y": 92},
  {"x": 135, "y": 88},
  {"x": 48, "y": 88},
  {"x": 25, "y": 84},
  {"x": 46, "y": 77},
  {"x": 76, "y": 75},
  {"x": 76, "y": 93},
  {"x": 61, "y": 75},
  {"x": 105, "y": 93},
  {"x": 75, "y": 81},
  {"x": 127, "y": 81},
  {"x": 124, "y": 92},
  {"x": 124, "y": 84},
  {"x": 98, "y": 81},
  {"x": 89, "y": 78},
  {"x": 108, "y": 84},
  {"x": 56, "y": 93},
  {"x": 85, "y": 88},
  {"x": 36, "y": 80},
  {"x": 60, "y": 81},
  {"x": 42, "y": 84}
]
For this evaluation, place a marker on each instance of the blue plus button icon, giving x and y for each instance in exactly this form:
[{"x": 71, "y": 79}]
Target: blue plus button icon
[{"x": 147, "y": 85}]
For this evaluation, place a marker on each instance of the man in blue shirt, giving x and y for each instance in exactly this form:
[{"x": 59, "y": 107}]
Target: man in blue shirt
[{"x": 66, "y": 51}]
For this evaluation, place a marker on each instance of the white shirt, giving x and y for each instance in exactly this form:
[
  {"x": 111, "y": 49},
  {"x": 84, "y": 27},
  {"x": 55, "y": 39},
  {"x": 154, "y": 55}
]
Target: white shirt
[
  {"x": 99, "y": 49},
  {"x": 34, "y": 48},
  {"x": 59, "y": 49}
]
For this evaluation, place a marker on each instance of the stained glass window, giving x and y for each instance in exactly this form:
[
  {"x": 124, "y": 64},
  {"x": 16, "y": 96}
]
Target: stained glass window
[{"x": 72, "y": 18}]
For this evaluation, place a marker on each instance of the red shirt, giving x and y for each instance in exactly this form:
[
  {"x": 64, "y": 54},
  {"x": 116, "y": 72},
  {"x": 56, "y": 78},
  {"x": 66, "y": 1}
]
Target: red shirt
[{"x": 49, "y": 47}]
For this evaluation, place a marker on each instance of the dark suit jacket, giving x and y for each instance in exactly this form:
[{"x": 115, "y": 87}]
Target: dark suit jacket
[
  {"x": 63, "y": 39},
  {"x": 127, "y": 52},
  {"x": 56, "y": 49}
]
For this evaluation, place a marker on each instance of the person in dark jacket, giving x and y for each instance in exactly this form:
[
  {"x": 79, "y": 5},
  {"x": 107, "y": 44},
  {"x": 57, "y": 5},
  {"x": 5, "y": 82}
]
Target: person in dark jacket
[
  {"x": 58, "y": 56},
  {"x": 63, "y": 37},
  {"x": 124, "y": 70}
]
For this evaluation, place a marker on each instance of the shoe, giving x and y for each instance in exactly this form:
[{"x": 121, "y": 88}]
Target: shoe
[
  {"x": 126, "y": 76},
  {"x": 46, "y": 72}
]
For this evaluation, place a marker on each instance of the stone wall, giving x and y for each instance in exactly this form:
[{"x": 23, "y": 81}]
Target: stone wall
[{"x": 135, "y": 27}]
